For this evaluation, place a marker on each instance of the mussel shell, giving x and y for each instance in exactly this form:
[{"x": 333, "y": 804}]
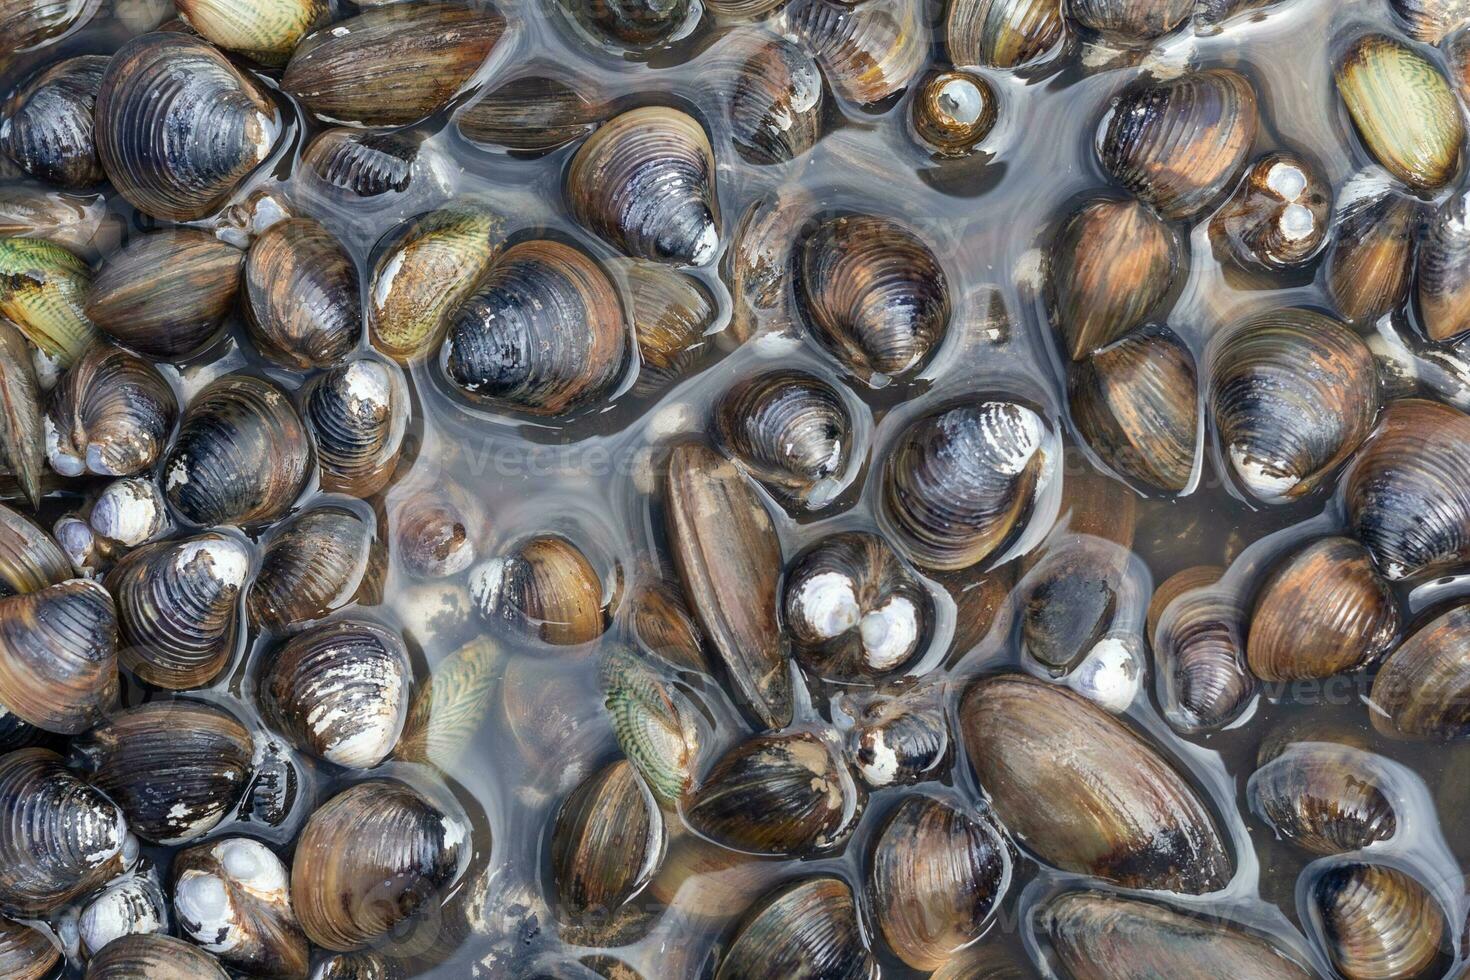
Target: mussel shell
[
  {"x": 869, "y": 51},
  {"x": 1141, "y": 825},
  {"x": 131, "y": 905},
  {"x": 644, "y": 182},
  {"x": 362, "y": 164},
  {"x": 153, "y": 958},
  {"x": 42, "y": 286},
  {"x": 790, "y": 430},
  {"x": 671, "y": 312},
  {"x": 1293, "y": 393},
  {"x": 654, "y": 724},
  {"x": 26, "y": 953},
  {"x": 1405, "y": 499},
  {"x": 757, "y": 265},
  {"x": 1371, "y": 259},
  {"x": 1278, "y": 217},
  {"x": 58, "y": 656},
  {"x": 1422, "y": 689},
  {"x": 127, "y": 513},
  {"x": 179, "y": 127},
  {"x": 962, "y": 482},
  {"x": 367, "y": 965},
  {"x": 775, "y": 100},
  {"x": 29, "y": 23},
  {"x": 1129, "y": 21},
  {"x": 176, "y": 768},
  {"x": 804, "y": 930},
  {"x": 1177, "y": 144},
  {"x": 1376, "y": 921},
  {"x": 953, "y": 111},
  {"x": 544, "y": 588},
  {"x": 806, "y": 797},
  {"x": 1324, "y": 797},
  {"x": 241, "y": 456},
  {"x": 22, "y": 433},
  {"x": 29, "y": 559},
  {"x": 1197, "y": 630},
  {"x": 318, "y": 562},
  {"x": 1404, "y": 110},
  {"x": 340, "y": 691},
  {"x": 166, "y": 294},
  {"x": 370, "y": 858},
  {"x": 110, "y": 415},
  {"x": 46, "y": 126},
  {"x": 266, "y": 31},
  {"x": 938, "y": 873},
  {"x": 1431, "y": 20},
  {"x": 1001, "y": 33},
  {"x": 544, "y": 332},
  {"x": 901, "y": 736},
  {"x": 664, "y": 625},
  {"x": 393, "y": 65},
  {"x": 873, "y": 294},
  {"x": 62, "y": 837},
  {"x": 233, "y": 897},
  {"x": 302, "y": 297},
  {"x": 532, "y": 114},
  {"x": 358, "y": 412},
  {"x": 1444, "y": 271}
]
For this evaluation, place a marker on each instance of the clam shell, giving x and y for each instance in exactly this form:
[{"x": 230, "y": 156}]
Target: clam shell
[
  {"x": 1431, "y": 20},
  {"x": 1070, "y": 601},
  {"x": 1404, "y": 110},
  {"x": 1210, "y": 16},
  {"x": 729, "y": 559},
  {"x": 130, "y": 905},
  {"x": 1371, "y": 259},
  {"x": 315, "y": 564},
  {"x": 358, "y": 966},
  {"x": 644, "y": 182},
  {"x": 358, "y": 413},
  {"x": 127, "y": 513},
  {"x": 1141, "y": 826},
  {"x": 869, "y": 52},
  {"x": 393, "y": 65},
  {"x": 544, "y": 588},
  {"x": 1376, "y": 921},
  {"x": 1177, "y": 144},
  {"x": 266, "y": 31},
  {"x": 901, "y": 736},
  {"x": 179, "y": 127},
  {"x": 1278, "y": 217},
  {"x": 29, "y": 559},
  {"x": 22, "y": 445},
  {"x": 1130, "y": 21},
  {"x": 42, "y": 286},
  {"x": 153, "y": 958},
  {"x": 302, "y": 297},
  {"x": 1444, "y": 271},
  {"x": 664, "y": 625},
  {"x": 533, "y": 114},
  {"x": 757, "y": 265},
  {"x": 110, "y": 415},
  {"x": 873, "y": 294},
  {"x": 1001, "y": 33},
  {"x": 26, "y": 953},
  {"x": 742, "y": 9},
  {"x": 233, "y": 897},
  {"x": 81, "y": 223},
  {"x": 438, "y": 530},
  {"x": 804, "y": 930},
  {"x": 654, "y": 724},
  {"x": 953, "y": 111},
  {"x": 58, "y": 656},
  {"x": 46, "y": 126},
  {"x": 1422, "y": 689},
  {"x": 30, "y": 23},
  {"x": 364, "y": 164},
  {"x": 775, "y": 99},
  {"x": 791, "y": 431},
  {"x": 671, "y": 312},
  {"x": 1197, "y": 630},
  {"x": 1324, "y": 797},
  {"x": 450, "y": 706},
  {"x": 636, "y": 23}
]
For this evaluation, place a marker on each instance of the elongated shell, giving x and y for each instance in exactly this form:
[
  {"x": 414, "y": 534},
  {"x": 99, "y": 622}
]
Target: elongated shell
[
  {"x": 869, "y": 52},
  {"x": 544, "y": 332},
  {"x": 1371, "y": 260},
  {"x": 1444, "y": 271},
  {"x": 962, "y": 482},
  {"x": 757, "y": 265},
  {"x": 1405, "y": 499},
  {"x": 654, "y": 724},
  {"x": 363, "y": 165},
  {"x": 302, "y": 295},
  {"x": 901, "y": 736},
  {"x": 166, "y": 294},
  {"x": 110, "y": 415},
  {"x": 46, "y": 127},
  {"x": 671, "y": 312},
  {"x": 233, "y": 897},
  {"x": 1324, "y": 797},
  {"x": 22, "y": 435},
  {"x": 1376, "y": 921},
  {"x": 1404, "y": 110},
  {"x": 1001, "y": 33},
  {"x": 1098, "y": 936},
  {"x": 241, "y": 455},
  {"x": 953, "y": 111},
  {"x": 1293, "y": 394},
  {"x": 29, "y": 23},
  {"x": 179, "y": 127},
  {"x": 153, "y": 958},
  {"x": 391, "y": 65},
  {"x": 532, "y": 114},
  {"x": 1140, "y": 825},
  {"x": 26, "y": 953},
  {"x": 775, "y": 100},
  {"x": 1278, "y": 216},
  {"x": 339, "y": 691},
  {"x": 937, "y": 875},
  {"x": 42, "y": 286},
  {"x": 644, "y": 182},
  {"x": 1129, "y": 21},
  {"x": 264, "y": 30},
  {"x": 315, "y": 564},
  {"x": 804, "y": 930},
  {"x": 1423, "y": 689},
  {"x": 873, "y": 294},
  {"x": 29, "y": 558},
  {"x": 544, "y": 588},
  {"x": 1197, "y": 630},
  {"x": 369, "y": 859},
  {"x": 1177, "y": 144},
  {"x": 729, "y": 559},
  {"x": 62, "y": 837},
  {"x": 58, "y": 656},
  {"x": 790, "y": 430},
  {"x": 358, "y": 411}
]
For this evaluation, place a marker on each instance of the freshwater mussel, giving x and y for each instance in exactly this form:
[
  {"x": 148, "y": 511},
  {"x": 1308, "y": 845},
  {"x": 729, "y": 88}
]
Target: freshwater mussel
[
  {"x": 109, "y": 415},
  {"x": 1197, "y": 628}
]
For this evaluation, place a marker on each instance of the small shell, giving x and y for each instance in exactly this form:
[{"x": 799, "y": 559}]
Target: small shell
[
  {"x": 179, "y": 127},
  {"x": 110, "y": 415},
  {"x": 1422, "y": 690},
  {"x": 364, "y": 165},
  {"x": 1324, "y": 797},
  {"x": 791, "y": 431},
  {"x": 340, "y": 691},
  {"x": 1371, "y": 259},
  {"x": 1444, "y": 271},
  {"x": 1130, "y": 21},
  {"x": 1376, "y": 921},
  {"x": 532, "y": 114},
  {"x": 1431, "y": 20},
  {"x": 637, "y": 23},
  {"x": 129, "y": 512},
  {"x": 870, "y": 51},
  {"x": 1404, "y": 110},
  {"x": 775, "y": 99},
  {"x": 26, "y": 953},
  {"x": 1197, "y": 630},
  {"x": 153, "y": 958},
  {"x": 1001, "y": 33},
  {"x": 29, "y": 559},
  {"x": 81, "y": 223},
  {"x": 664, "y": 625},
  {"x": 873, "y": 293},
  {"x": 953, "y": 111},
  {"x": 1278, "y": 216},
  {"x": 544, "y": 588},
  {"x": 901, "y": 736},
  {"x": 58, "y": 656},
  {"x": 1211, "y": 16},
  {"x": 317, "y": 563},
  {"x": 671, "y": 313},
  {"x": 439, "y": 530},
  {"x": 366, "y": 965},
  {"x": 266, "y": 31},
  {"x": 1070, "y": 601},
  {"x": 804, "y": 930},
  {"x": 393, "y": 65},
  {"x": 757, "y": 265},
  {"x": 46, "y": 126},
  {"x": 742, "y": 9},
  {"x": 302, "y": 295},
  {"x": 358, "y": 412},
  {"x": 654, "y": 724},
  {"x": 22, "y": 435},
  {"x": 233, "y": 897},
  {"x": 30, "y": 23},
  {"x": 1177, "y": 144},
  {"x": 42, "y": 286},
  {"x": 130, "y": 905}
]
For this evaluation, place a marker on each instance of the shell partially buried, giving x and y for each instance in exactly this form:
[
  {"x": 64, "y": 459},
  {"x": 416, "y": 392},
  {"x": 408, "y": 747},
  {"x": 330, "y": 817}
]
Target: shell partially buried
[
  {"x": 302, "y": 297},
  {"x": 1371, "y": 259},
  {"x": 953, "y": 111},
  {"x": 314, "y": 564},
  {"x": 671, "y": 312},
  {"x": 790, "y": 430},
  {"x": 360, "y": 166},
  {"x": 29, "y": 558},
  {"x": 1324, "y": 797},
  {"x": 358, "y": 412},
  {"x": 1129, "y": 21},
  {"x": 775, "y": 98},
  {"x": 654, "y": 722},
  {"x": 58, "y": 656},
  {"x": 265, "y": 30},
  {"x": 153, "y": 958},
  {"x": 543, "y": 588},
  {"x": 1001, "y": 33},
  {"x": 233, "y": 897},
  {"x": 46, "y": 127},
  {"x": 1443, "y": 272},
  {"x": 636, "y": 23},
  {"x": 22, "y": 433},
  {"x": 110, "y": 415},
  {"x": 803, "y": 930},
  {"x": 1376, "y": 920},
  {"x": 869, "y": 52},
  {"x": 1279, "y": 215},
  {"x": 1422, "y": 690}
]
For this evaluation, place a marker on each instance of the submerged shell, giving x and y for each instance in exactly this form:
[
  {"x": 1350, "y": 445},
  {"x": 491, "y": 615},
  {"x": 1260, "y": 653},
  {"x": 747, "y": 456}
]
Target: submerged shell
[
  {"x": 29, "y": 558},
  {"x": 1422, "y": 690},
  {"x": 1001, "y": 33},
  {"x": 654, "y": 724},
  {"x": 1130, "y": 21},
  {"x": 1197, "y": 630},
  {"x": 302, "y": 298},
  {"x": 533, "y": 114},
  {"x": 22, "y": 435},
  {"x": 46, "y": 127},
  {"x": 804, "y": 930},
  {"x": 29, "y": 23},
  {"x": 869, "y": 52},
  {"x": 110, "y": 415},
  {"x": 901, "y": 736},
  {"x": 314, "y": 564},
  {"x": 153, "y": 958},
  {"x": 265, "y": 30},
  {"x": 1177, "y": 144},
  {"x": 1431, "y": 20},
  {"x": 775, "y": 99},
  {"x": 233, "y": 897},
  {"x": 364, "y": 164},
  {"x": 636, "y": 23},
  {"x": 757, "y": 265},
  {"x": 953, "y": 111},
  {"x": 452, "y": 703},
  {"x": 663, "y": 623},
  {"x": 79, "y": 222},
  {"x": 26, "y": 953},
  {"x": 1324, "y": 797},
  {"x": 1376, "y": 921},
  {"x": 42, "y": 287},
  {"x": 1371, "y": 259},
  {"x": 791, "y": 431},
  {"x": 543, "y": 588},
  {"x": 58, "y": 656},
  {"x": 358, "y": 412},
  {"x": 671, "y": 312},
  {"x": 1116, "y": 808},
  {"x": 1444, "y": 271},
  {"x": 438, "y": 530},
  {"x": 1070, "y": 601},
  {"x": 1278, "y": 217}
]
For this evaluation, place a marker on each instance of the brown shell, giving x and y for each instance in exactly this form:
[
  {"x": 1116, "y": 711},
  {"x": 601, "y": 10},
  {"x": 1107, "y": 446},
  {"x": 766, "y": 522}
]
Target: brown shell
[
  {"x": 773, "y": 97},
  {"x": 26, "y": 953},
  {"x": 110, "y": 415},
  {"x": 671, "y": 313},
  {"x": 1377, "y": 921},
  {"x": 953, "y": 111},
  {"x": 869, "y": 51},
  {"x": 302, "y": 296},
  {"x": 757, "y": 265},
  {"x": 438, "y": 531},
  {"x": 790, "y": 430},
  {"x": 1422, "y": 689},
  {"x": 153, "y": 957},
  {"x": 543, "y": 588},
  {"x": 22, "y": 433},
  {"x": 1130, "y": 21},
  {"x": 1324, "y": 797},
  {"x": 1431, "y": 20},
  {"x": 358, "y": 412},
  {"x": 532, "y": 114},
  {"x": 58, "y": 656},
  {"x": 29, "y": 557},
  {"x": 664, "y": 625},
  {"x": 233, "y": 895},
  {"x": 1279, "y": 215},
  {"x": 318, "y": 562},
  {"x": 803, "y": 930},
  {"x": 1443, "y": 274},
  {"x": 1197, "y": 630},
  {"x": 28, "y": 23},
  {"x": 1371, "y": 259},
  {"x": 1002, "y": 33},
  {"x": 46, "y": 126}
]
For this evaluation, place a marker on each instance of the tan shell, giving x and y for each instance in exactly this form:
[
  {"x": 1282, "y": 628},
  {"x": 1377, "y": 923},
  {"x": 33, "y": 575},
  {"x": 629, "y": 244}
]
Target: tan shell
[
  {"x": 1376, "y": 921},
  {"x": 302, "y": 297},
  {"x": 265, "y": 30},
  {"x": 544, "y": 588},
  {"x": 22, "y": 433},
  {"x": 58, "y": 656},
  {"x": 29, "y": 558},
  {"x": 803, "y": 930},
  {"x": 1002, "y": 33},
  {"x": 153, "y": 957},
  {"x": 1422, "y": 690},
  {"x": 1371, "y": 259},
  {"x": 671, "y": 313},
  {"x": 42, "y": 287},
  {"x": 26, "y": 953},
  {"x": 1443, "y": 272},
  {"x": 869, "y": 51}
]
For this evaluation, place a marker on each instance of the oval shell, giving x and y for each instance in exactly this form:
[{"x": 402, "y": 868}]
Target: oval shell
[
  {"x": 319, "y": 562},
  {"x": 1324, "y": 797},
  {"x": 804, "y": 930},
  {"x": 46, "y": 127},
  {"x": 1001, "y": 33},
  {"x": 1376, "y": 921},
  {"x": 58, "y": 656},
  {"x": 791, "y": 431},
  {"x": 1422, "y": 690},
  {"x": 302, "y": 298},
  {"x": 110, "y": 415}
]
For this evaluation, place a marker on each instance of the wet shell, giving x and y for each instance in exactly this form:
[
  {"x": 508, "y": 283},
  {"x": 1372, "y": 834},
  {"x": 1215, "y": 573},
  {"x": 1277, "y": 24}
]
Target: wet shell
[
  {"x": 1404, "y": 110},
  {"x": 543, "y": 333},
  {"x": 358, "y": 966},
  {"x": 1098, "y": 936},
  {"x": 42, "y": 286},
  {"x": 28, "y": 23},
  {"x": 729, "y": 559},
  {"x": 806, "y": 797},
  {"x": 315, "y": 564},
  {"x": 853, "y": 610},
  {"x": 938, "y": 874},
  {"x": 1197, "y": 630},
  {"x": 178, "y": 608},
  {"x": 438, "y": 530},
  {"x": 22, "y": 445},
  {"x": 79, "y": 222},
  {"x": 241, "y": 456},
  {"x": 153, "y": 958},
  {"x": 364, "y": 164},
  {"x": 757, "y": 265},
  {"x": 233, "y": 897},
  {"x": 664, "y": 625},
  {"x": 422, "y": 271},
  {"x": 644, "y": 182},
  {"x": 791, "y": 431},
  {"x": 544, "y": 588},
  {"x": 1070, "y": 601},
  {"x": 1376, "y": 921},
  {"x": 1136, "y": 403},
  {"x": 869, "y": 52},
  {"x": 110, "y": 415},
  {"x": 358, "y": 412},
  {"x": 46, "y": 126},
  {"x": 166, "y": 294},
  {"x": 62, "y": 838},
  {"x": 130, "y": 905},
  {"x": 1140, "y": 826},
  {"x": 390, "y": 66},
  {"x": 29, "y": 559},
  {"x": 804, "y": 930},
  {"x": 775, "y": 100},
  {"x": 962, "y": 482},
  {"x": 1130, "y": 21},
  {"x": 654, "y": 724},
  {"x": 1001, "y": 33},
  {"x": 1444, "y": 271},
  {"x": 1211, "y": 16},
  {"x": 1431, "y": 20},
  {"x": 953, "y": 111},
  {"x": 901, "y": 736},
  {"x": 1406, "y": 500},
  {"x": 176, "y": 768},
  {"x": 369, "y": 859},
  {"x": 1324, "y": 797},
  {"x": 264, "y": 30},
  {"x": 302, "y": 295},
  {"x": 873, "y": 294},
  {"x": 671, "y": 312},
  {"x": 26, "y": 953},
  {"x": 129, "y": 512},
  {"x": 1177, "y": 144},
  {"x": 636, "y": 22},
  {"x": 58, "y": 656},
  {"x": 1278, "y": 217},
  {"x": 451, "y": 704},
  {"x": 1293, "y": 394},
  {"x": 1324, "y": 611},
  {"x": 1423, "y": 689},
  {"x": 534, "y": 114},
  {"x": 340, "y": 691},
  {"x": 179, "y": 127},
  {"x": 742, "y": 9},
  {"x": 1372, "y": 256}
]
